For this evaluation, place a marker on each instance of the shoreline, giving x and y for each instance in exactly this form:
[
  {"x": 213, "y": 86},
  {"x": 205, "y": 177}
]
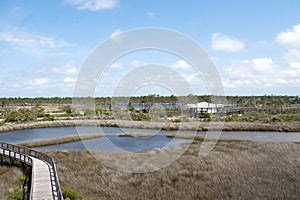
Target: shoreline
[{"x": 186, "y": 126}]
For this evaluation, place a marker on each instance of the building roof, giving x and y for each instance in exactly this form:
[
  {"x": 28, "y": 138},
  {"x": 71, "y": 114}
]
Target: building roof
[{"x": 205, "y": 105}]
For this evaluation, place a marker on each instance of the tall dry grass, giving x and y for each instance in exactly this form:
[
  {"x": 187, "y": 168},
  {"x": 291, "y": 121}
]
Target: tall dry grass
[
  {"x": 8, "y": 179},
  {"x": 241, "y": 170}
]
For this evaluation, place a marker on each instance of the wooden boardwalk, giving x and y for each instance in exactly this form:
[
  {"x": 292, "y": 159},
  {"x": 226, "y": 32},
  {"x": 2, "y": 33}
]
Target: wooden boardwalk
[
  {"x": 44, "y": 183},
  {"x": 41, "y": 181}
]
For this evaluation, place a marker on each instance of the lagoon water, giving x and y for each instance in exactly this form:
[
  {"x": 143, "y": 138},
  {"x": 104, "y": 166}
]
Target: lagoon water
[
  {"x": 113, "y": 143},
  {"x": 110, "y": 143},
  {"x": 120, "y": 144}
]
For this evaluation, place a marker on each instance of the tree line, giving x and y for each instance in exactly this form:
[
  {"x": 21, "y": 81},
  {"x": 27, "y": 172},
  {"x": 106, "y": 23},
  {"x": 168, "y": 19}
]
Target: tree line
[{"x": 240, "y": 101}]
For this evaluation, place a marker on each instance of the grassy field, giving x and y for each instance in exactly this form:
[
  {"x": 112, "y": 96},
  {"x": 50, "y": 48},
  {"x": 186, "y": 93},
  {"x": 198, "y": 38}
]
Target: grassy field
[{"x": 233, "y": 170}]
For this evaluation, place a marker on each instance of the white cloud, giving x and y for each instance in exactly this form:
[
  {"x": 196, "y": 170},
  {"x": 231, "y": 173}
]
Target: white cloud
[
  {"x": 290, "y": 37},
  {"x": 33, "y": 40},
  {"x": 137, "y": 63},
  {"x": 38, "y": 83},
  {"x": 69, "y": 80},
  {"x": 117, "y": 65},
  {"x": 116, "y": 33},
  {"x": 181, "y": 64},
  {"x": 262, "y": 64},
  {"x": 295, "y": 65},
  {"x": 222, "y": 42},
  {"x": 196, "y": 82},
  {"x": 191, "y": 78},
  {"x": 44, "y": 80},
  {"x": 292, "y": 55},
  {"x": 250, "y": 68},
  {"x": 261, "y": 74},
  {"x": 93, "y": 5},
  {"x": 67, "y": 69}
]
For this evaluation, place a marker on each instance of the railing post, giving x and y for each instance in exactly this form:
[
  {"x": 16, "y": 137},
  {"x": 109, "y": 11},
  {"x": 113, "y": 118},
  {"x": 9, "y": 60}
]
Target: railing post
[{"x": 1, "y": 159}]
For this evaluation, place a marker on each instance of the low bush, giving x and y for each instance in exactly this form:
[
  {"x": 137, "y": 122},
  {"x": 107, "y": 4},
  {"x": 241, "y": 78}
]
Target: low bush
[
  {"x": 69, "y": 194},
  {"x": 15, "y": 194},
  {"x": 18, "y": 192}
]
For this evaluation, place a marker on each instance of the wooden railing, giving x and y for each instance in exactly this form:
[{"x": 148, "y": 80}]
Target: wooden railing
[{"x": 24, "y": 155}]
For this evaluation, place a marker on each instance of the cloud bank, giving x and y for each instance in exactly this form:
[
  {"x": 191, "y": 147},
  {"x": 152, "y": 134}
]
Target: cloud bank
[{"x": 220, "y": 42}]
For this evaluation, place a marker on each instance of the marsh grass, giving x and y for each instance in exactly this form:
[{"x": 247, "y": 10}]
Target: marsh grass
[
  {"x": 61, "y": 140},
  {"x": 139, "y": 135},
  {"x": 9, "y": 177},
  {"x": 202, "y": 138},
  {"x": 143, "y": 135},
  {"x": 200, "y": 126},
  {"x": 126, "y": 135},
  {"x": 238, "y": 170}
]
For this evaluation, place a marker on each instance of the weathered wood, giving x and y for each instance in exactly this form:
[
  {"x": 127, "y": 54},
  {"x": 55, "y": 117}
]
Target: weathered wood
[
  {"x": 44, "y": 185},
  {"x": 41, "y": 182}
]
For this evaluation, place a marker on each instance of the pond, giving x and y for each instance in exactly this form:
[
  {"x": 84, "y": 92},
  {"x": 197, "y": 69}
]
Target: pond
[{"x": 157, "y": 139}]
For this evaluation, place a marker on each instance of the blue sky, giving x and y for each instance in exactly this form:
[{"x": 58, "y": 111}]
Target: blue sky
[{"x": 255, "y": 45}]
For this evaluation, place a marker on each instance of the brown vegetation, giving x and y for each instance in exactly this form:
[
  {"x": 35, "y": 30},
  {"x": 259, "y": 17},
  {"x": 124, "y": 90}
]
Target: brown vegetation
[
  {"x": 242, "y": 170},
  {"x": 8, "y": 179},
  {"x": 140, "y": 135},
  {"x": 200, "y": 126},
  {"x": 202, "y": 138},
  {"x": 126, "y": 135}
]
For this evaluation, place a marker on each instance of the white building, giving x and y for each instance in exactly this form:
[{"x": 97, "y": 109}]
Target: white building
[{"x": 203, "y": 107}]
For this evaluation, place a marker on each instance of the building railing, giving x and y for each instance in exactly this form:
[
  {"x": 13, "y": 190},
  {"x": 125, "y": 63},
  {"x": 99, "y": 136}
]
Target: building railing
[{"x": 24, "y": 155}]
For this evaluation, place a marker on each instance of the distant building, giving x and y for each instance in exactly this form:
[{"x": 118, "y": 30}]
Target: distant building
[{"x": 199, "y": 109}]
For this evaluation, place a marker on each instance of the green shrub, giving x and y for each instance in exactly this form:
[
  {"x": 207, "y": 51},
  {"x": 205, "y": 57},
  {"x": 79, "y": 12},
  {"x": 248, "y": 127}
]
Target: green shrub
[
  {"x": 15, "y": 194},
  {"x": 69, "y": 194},
  {"x": 275, "y": 119},
  {"x": 23, "y": 179},
  {"x": 229, "y": 118},
  {"x": 48, "y": 117},
  {"x": 176, "y": 120}
]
